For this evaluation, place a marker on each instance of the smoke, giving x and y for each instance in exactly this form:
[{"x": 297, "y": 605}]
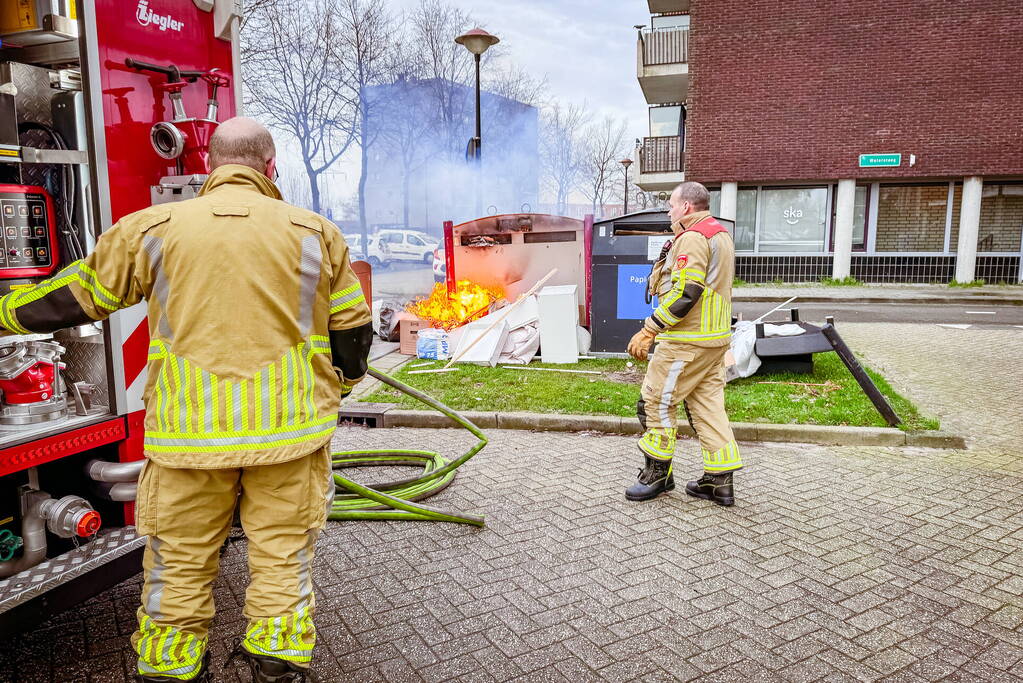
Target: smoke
[{"x": 419, "y": 175}]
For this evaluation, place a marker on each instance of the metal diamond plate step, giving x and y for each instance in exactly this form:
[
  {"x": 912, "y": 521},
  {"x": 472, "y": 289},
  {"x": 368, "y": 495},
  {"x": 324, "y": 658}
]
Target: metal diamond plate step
[{"x": 74, "y": 569}]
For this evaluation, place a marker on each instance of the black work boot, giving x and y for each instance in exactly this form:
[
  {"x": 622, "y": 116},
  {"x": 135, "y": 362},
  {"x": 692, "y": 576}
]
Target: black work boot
[
  {"x": 654, "y": 479},
  {"x": 204, "y": 675},
  {"x": 715, "y": 487},
  {"x": 267, "y": 669}
]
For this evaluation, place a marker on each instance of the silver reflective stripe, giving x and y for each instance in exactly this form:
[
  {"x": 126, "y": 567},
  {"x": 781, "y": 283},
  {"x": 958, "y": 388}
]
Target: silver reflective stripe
[
  {"x": 254, "y": 439},
  {"x": 305, "y": 579},
  {"x": 154, "y": 247},
  {"x": 207, "y": 398},
  {"x": 236, "y": 405},
  {"x": 155, "y": 594},
  {"x": 310, "y": 280},
  {"x": 667, "y": 419},
  {"x": 712, "y": 269}
]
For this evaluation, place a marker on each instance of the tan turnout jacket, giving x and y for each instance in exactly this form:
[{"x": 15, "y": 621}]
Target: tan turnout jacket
[
  {"x": 242, "y": 290},
  {"x": 700, "y": 265}
]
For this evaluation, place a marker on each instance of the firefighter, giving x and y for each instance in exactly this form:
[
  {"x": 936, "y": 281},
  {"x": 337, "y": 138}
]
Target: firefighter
[
  {"x": 692, "y": 329},
  {"x": 258, "y": 327}
]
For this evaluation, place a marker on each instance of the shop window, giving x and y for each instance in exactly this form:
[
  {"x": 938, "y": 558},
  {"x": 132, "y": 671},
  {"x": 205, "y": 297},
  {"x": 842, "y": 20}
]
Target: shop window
[
  {"x": 793, "y": 219},
  {"x": 912, "y": 218},
  {"x": 1001, "y": 218},
  {"x": 860, "y": 207},
  {"x": 745, "y": 217}
]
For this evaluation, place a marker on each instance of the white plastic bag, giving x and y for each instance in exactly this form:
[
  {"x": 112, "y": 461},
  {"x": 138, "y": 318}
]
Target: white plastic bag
[
  {"x": 744, "y": 339},
  {"x": 521, "y": 345}
]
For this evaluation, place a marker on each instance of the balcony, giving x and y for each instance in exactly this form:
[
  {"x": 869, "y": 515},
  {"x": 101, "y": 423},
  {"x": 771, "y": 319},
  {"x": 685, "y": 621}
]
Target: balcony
[
  {"x": 666, "y": 6},
  {"x": 660, "y": 163},
  {"x": 663, "y": 64}
]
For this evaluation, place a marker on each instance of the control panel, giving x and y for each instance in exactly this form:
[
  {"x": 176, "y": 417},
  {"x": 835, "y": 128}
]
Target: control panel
[{"x": 29, "y": 232}]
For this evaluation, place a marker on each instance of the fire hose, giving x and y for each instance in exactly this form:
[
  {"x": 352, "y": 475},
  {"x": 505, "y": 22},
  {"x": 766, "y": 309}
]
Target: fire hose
[{"x": 398, "y": 500}]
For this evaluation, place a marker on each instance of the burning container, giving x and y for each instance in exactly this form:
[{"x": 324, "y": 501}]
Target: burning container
[{"x": 510, "y": 253}]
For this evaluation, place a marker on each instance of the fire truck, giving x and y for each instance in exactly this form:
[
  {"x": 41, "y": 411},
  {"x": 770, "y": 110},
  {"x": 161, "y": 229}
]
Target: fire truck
[{"x": 106, "y": 107}]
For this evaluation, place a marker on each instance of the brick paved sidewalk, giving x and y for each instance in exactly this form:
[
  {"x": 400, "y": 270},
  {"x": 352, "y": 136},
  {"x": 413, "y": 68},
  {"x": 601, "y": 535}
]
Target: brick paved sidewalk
[
  {"x": 836, "y": 564},
  {"x": 1007, "y": 294}
]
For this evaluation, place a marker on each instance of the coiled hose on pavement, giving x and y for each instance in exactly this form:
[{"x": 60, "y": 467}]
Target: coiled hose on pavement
[{"x": 397, "y": 499}]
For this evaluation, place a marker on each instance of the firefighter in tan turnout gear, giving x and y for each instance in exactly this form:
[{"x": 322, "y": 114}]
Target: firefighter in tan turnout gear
[
  {"x": 258, "y": 327},
  {"x": 692, "y": 331}
]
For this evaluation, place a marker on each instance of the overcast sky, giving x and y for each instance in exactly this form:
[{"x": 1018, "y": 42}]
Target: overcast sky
[{"x": 586, "y": 49}]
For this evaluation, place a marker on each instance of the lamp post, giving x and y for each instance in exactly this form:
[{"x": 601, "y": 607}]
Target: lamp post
[
  {"x": 477, "y": 41},
  {"x": 625, "y": 166}
]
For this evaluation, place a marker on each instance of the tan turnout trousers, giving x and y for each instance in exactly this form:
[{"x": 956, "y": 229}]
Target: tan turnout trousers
[
  {"x": 187, "y": 514},
  {"x": 677, "y": 373}
]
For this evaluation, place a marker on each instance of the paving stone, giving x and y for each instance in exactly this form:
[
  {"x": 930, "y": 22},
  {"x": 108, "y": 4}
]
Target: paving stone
[{"x": 897, "y": 563}]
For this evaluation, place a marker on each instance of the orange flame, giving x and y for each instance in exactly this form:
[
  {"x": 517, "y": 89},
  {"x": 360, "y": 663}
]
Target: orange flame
[{"x": 470, "y": 302}]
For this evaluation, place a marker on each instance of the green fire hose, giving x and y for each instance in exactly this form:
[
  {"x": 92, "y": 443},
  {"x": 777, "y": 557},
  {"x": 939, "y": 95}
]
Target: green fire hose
[{"x": 397, "y": 499}]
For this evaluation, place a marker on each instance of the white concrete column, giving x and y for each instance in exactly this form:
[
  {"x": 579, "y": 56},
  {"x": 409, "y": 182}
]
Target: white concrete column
[
  {"x": 729, "y": 200},
  {"x": 845, "y": 209},
  {"x": 969, "y": 227}
]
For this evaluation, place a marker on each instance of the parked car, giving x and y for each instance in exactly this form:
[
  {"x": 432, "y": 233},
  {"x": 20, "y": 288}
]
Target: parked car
[
  {"x": 409, "y": 246},
  {"x": 377, "y": 255},
  {"x": 440, "y": 265}
]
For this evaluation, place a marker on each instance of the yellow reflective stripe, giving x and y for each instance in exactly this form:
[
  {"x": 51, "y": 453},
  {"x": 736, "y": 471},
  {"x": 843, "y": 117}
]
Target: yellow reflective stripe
[
  {"x": 273, "y": 398},
  {"x": 725, "y": 458},
  {"x": 97, "y": 289},
  {"x": 167, "y": 652},
  {"x": 215, "y": 394},
  {"x": 681, "y": 334},
  {"x": 200, "y": 400},
  {"x": 295, "y": 385},
  {"x": 186, "y": 389},
  {"x": 7, "y": 316},
  {"x": 283, "y": 637}
]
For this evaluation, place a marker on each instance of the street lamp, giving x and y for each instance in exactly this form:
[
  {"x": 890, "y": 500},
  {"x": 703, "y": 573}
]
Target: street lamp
[
  {"x": 625, "y": 166},
  {"x": 477, "y": 41}
]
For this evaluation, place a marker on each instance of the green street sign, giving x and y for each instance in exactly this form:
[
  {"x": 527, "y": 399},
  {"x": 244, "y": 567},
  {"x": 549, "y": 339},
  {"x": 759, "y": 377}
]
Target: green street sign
[{"x": 880, "y": 160}]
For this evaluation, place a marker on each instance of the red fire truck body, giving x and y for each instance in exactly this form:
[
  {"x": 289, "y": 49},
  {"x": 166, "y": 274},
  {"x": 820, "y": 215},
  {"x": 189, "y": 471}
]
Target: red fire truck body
[{"x": 106, "y": 107}]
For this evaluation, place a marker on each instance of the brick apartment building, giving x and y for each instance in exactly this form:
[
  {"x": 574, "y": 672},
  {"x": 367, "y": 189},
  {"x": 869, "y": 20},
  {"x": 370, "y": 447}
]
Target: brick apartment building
[{"x": 878, "y": 139}]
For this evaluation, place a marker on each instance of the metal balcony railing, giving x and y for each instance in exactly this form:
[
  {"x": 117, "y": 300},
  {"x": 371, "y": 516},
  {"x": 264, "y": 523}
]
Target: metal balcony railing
[
  {"x": 661, "y": 155},
  {"x": 664, "y": 46}
]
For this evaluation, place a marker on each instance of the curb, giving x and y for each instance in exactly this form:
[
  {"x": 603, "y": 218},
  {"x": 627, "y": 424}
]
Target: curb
[
  {"x": 923, "y": 300},
  {"x": 744, "y": 431}
]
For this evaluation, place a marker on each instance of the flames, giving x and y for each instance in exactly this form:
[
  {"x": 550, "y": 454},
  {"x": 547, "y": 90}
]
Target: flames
[{"x": 471, "y": 301}]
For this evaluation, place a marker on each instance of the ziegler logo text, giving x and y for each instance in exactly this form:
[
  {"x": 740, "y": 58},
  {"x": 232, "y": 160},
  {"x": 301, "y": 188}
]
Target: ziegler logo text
[{"x": 148, "y": 17}]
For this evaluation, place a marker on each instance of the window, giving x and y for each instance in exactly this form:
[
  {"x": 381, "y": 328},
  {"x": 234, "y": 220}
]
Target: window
[
  {"x": 745, "y": 216},
  {"x": 670, "y": 21},
  {"x": 793, "y": 219},
  {"x": 1001, "y": 218},
  {"x": 912, "y": 217},
  {"x": 665, "y": 121},
  {"x": 859, "y": 235},
  {"x": 745, "y": 220},
  {"x": 415, "y": 241}
]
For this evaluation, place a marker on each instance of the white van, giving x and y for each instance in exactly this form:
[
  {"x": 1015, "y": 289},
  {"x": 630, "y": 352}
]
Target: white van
[
  {"x": 408, "y": 246},
  {"x": 377, "y": 257}
]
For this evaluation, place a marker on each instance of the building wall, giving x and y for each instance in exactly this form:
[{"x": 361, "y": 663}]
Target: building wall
[{"x": 797, "y": 89}]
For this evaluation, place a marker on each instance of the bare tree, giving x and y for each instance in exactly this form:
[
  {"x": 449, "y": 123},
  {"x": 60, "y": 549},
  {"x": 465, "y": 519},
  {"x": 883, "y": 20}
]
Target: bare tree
[
  {"x": 366, "y": 52},
  {"x": 604, "y": 146},
  {"x": 562, "y": 150},
  {"x": 292, "y": 84}
]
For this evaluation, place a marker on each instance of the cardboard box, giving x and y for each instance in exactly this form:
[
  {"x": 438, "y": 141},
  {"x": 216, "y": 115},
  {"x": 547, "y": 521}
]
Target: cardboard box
[{"x": 409, "y": 331}]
